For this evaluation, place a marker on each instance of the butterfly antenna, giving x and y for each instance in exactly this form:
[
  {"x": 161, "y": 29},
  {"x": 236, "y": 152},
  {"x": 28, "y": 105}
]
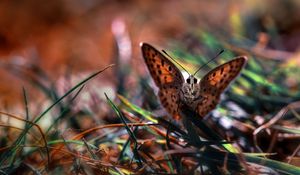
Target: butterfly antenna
[
  {"x": 175, "y": 61},
  {"x": 209, "y": 61}
]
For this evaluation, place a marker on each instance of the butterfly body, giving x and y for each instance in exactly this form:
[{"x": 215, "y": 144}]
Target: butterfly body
[
  {"x": 190, "y": 91},
  {"x": 201, "y": 96}
]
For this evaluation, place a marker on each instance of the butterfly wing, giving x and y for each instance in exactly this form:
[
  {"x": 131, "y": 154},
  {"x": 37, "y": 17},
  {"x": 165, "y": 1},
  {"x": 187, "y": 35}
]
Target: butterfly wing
[
  {"x": 169, "y": 98},
  {"x": 166, "y": 76},
  {"x": 215, "y": 82},
  {"x": 162, "y": 70}
]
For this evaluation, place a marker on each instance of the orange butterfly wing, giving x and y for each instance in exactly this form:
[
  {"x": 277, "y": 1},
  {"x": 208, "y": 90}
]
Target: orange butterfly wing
[
  {"x": 215, "y": 82},
  {"x": 166, "y": 76}
]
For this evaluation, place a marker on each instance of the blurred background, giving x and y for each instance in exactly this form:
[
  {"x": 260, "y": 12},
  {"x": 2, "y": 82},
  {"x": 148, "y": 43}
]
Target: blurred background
[
  {"x": 69, "y": 37},
  {"x": 48, "y": 47}
]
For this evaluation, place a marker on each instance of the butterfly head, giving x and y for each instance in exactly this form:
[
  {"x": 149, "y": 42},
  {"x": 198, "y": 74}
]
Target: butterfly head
[
  {"x": 191, "y": 80},
  {"x": 190, "y": 89}
]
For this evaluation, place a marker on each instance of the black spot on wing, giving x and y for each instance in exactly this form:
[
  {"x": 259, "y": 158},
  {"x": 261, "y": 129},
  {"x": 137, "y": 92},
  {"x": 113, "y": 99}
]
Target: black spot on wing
[{"x": 222, "y": 70}]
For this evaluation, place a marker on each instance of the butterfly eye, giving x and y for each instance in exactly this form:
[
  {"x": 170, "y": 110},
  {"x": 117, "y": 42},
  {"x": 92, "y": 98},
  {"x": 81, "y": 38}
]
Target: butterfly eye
[
  {"x": 188, "y": 80},
  {"x": 195, "y": 80}
]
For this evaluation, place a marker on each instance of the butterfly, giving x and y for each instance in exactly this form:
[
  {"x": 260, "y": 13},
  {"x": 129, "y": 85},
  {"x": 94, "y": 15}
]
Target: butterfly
[{"x": 201, "y": 96}]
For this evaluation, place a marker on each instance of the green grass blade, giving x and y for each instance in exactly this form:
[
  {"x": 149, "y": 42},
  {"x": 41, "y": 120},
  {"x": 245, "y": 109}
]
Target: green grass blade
[
  {"x": 131, "y": 134},
  {"x": 137, "y": 109}
]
